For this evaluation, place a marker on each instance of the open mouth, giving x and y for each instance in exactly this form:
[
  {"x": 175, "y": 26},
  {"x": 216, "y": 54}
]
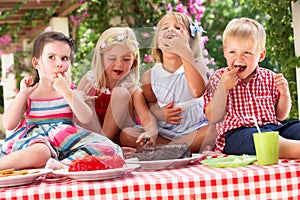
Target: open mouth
[
  {"x": 118, "y": 72},
  {"x": 241, "y": 67},
  {"x": 170, "y": 36}
]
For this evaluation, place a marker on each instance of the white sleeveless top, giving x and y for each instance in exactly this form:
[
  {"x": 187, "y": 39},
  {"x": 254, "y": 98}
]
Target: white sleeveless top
[{"x": 173, "y": 86}]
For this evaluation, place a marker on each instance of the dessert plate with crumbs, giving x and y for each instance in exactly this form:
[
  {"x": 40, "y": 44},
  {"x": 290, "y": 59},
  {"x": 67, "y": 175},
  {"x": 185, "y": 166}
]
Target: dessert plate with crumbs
[
  {"x": 163, "y": 164},
  {"x": 21, "y": 177}
]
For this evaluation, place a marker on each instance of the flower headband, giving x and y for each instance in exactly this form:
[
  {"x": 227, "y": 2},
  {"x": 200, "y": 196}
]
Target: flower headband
[
  {"x": 120, "y": 38},
  {"x": 195, "y": 27}
]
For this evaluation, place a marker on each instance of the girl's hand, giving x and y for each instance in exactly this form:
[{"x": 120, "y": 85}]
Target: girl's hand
[
  {"x": 25, "y": 85},
  {"x": 178, "y": 45},
  {"x": 90, "y": 100},
  {"x": 172, "y": 115},
  {"x": 229, "y": 78},
  {"x": 282, "y": 84},
  {"x": 61, "y": 82},
  {"x": 147, "y": 137},
  {"x": 128, "y": 152}
]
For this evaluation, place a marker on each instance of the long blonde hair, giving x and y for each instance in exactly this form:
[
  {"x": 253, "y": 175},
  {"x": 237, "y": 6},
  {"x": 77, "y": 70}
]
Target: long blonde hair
[
  {"x": 109, "y": 38},
  {"x": 193, "y": 41}
]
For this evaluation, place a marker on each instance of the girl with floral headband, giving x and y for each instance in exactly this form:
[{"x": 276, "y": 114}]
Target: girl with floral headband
[
  {"x": 112, "y": 87},
  {"x": 48, "y": 103},
  {"x": 174, "y": 86}
]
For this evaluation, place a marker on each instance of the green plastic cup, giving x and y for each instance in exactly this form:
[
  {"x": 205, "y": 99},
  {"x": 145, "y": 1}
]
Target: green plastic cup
[{"x": 266, "y": 147}]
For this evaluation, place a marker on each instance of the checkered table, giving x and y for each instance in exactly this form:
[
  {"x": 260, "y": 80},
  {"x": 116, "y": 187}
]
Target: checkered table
[{"x": 195, "y": 181}]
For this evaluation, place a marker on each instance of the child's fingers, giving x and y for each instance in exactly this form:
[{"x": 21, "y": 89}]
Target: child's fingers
[
  {"x": 128, "y": 152},
  {"x": 175, "y": 111},
  {"x": 185, "y": 34},
  {"x": 139, "y": 139},
  {"x": 169, "y": 105},
  {"x": 59, "y": 75},
  {"x": 163, "y": 43},
  {"x": 35, "y": 86},
  {"x": 233, "y": 71},
  {"x": 280, "y": 80},
  {"x": 90, "y": 98},
  {"x": 28, "y": 80},
  {"x": 129, "y": 149},
  {"x": 175, "y": 122},
  {"x": 142, "y": 138},
  {"x": 67, "y": 76}
]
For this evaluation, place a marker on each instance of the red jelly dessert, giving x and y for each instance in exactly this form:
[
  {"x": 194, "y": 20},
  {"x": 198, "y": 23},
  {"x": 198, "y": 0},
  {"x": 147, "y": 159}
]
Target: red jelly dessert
[
  {"x": 92, "y": 162},
  {"x": 115, "y": 161}
]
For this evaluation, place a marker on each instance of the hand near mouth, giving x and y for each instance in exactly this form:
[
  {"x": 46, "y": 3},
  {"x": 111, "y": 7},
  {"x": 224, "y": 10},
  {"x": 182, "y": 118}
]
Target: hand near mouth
[
  {"x": 61, "y": 82},
  {"x": 241, "y": 67},
  {"x": 229, "y": 78},
  {"x": 177, "y": 45}
]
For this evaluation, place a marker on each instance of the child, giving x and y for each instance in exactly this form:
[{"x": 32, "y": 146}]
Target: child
[
  {"x": 243, "y": 91},
  {"x": 49, "y": 102},
  {"x": 174, "y": 85},
  {"x": 113, "y": 85}
]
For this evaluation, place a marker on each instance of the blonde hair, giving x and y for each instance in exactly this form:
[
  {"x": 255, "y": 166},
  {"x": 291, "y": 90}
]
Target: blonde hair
[
  {"x": 109, "y": 38},
  {"x": 193, "y": 41},
  {"x": 245, "y": 29}
]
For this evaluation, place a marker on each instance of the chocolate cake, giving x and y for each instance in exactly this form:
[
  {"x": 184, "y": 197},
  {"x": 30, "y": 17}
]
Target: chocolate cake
[{"x": 163, "y": 152}]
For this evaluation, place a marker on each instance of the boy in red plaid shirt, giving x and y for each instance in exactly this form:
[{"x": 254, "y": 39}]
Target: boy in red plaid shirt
[{"x": 243, "y": 91}]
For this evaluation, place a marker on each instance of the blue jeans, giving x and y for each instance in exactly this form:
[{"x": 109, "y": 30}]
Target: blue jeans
[{"x": 240, "y": 141}]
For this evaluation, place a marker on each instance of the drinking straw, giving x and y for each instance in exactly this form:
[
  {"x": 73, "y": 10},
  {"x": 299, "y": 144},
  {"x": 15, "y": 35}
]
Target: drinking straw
[{"x": 256, "y": 124}]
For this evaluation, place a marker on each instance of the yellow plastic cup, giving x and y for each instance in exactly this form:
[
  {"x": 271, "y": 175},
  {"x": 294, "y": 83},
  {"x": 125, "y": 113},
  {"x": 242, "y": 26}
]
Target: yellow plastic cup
[{"x": 266, "y": 147}]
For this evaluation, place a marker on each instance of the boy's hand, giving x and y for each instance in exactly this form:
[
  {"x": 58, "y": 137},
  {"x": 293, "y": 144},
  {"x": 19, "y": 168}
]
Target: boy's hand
[
  {"x": 282, "y": 85},
  {"x": 172, "y": 115},
  {"x": 229, "y": 78}
]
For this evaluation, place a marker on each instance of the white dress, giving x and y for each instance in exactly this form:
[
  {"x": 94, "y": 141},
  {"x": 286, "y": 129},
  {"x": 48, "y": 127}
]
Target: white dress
[{"x": 173, "y": 86}]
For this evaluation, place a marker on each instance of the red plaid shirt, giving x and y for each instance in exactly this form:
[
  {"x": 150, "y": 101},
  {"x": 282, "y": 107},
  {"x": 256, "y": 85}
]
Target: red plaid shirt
[{"x": 256, "y": 98}]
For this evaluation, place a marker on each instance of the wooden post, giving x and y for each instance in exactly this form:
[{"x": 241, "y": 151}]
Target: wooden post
[
  {"x": 296, "y": 28},
  {"x": 8, "y": 81},
  {"x": 60, "y": 24}
]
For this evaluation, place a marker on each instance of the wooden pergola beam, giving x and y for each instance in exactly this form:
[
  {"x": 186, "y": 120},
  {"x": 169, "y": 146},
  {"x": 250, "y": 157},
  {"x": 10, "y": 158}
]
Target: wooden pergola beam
[{"x": 64, "y": 8}]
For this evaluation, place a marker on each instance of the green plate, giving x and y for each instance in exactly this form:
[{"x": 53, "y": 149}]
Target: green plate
[{"x": 229, "y": 161}]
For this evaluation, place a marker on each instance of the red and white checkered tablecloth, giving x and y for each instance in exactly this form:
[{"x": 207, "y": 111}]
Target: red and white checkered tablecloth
[{"x": 196, "y": 181}]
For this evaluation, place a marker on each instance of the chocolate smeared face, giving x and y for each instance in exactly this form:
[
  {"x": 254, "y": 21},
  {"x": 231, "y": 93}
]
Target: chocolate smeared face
[{"x": 243, "y": 55}]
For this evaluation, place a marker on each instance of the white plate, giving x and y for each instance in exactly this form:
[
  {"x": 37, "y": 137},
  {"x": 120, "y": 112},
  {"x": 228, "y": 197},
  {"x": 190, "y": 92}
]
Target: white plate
[
  {"x": 163, "y": 164},
  {"x": 97, "y": 174},
  {"x": 23, "y": 179}
]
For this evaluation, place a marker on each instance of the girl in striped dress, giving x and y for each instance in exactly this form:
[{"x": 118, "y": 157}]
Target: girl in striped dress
[{"x": 49, "y": 104}]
